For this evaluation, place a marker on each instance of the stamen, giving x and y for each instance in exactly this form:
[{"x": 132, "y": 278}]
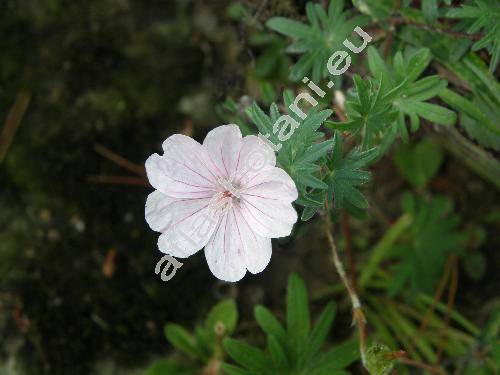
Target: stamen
[{"x": 228, "y": 186}]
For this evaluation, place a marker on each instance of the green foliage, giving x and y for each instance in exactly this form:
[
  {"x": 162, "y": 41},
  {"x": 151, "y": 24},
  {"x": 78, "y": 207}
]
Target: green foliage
[
  {"x": 299, "y": 155},
  {"x": 418, "y": 164},
  {"x": 482, "y": 16},
  {"x": 295, "y": 349},
  {"x": 380, "y": 106},
  {"x": 345, "y": 175},
  {"x": 479, "y": 109},
  {"x": 317, "y": 40},
  {"x": 272, "y": 63},
  {"x": 378, "y": 10},
  {"x": 477, "y": 116},
  {"x": 369, "y": 114},
  {"x": 200, "y": 347},
  {"x": 408, "y": 94},
  {"x": 434, "y": 234},
  {"x": 231, "y": 112}
]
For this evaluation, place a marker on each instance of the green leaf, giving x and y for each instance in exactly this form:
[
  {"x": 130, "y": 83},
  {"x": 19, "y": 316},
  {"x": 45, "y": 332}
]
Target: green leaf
[
  {"x": 278, "y": 353},
  {"x": 419, "y": 164},
  {"x": 235, "y": 370},
  {"x": 475, "y": 265},
  {"x": 478, "y": 118},
  {"x": 308, "y": 213},
  {"x": 315, "y": 152},
  {"x": 434, "y": 233},
  {"x": 430, "y": 10},
  {"x": 269, "y": 324},
  {"x": 293, "y": 351},
  {"x": 181, "y": 339},
  {"x": 246, "y": 355},
  {"x": 431, "y": 112},
  {"x": 338, "y": 357},
  {"x": 224, "y": 313},
  {"x": 297, "y": 314},
  {"x": 427, "y": 88},
  {"x": 378, "y": 10},
  {"x": 376, "y": 63},
  {"x": 288, "y": 27},
  {"x": 369, "y": 113},
  {"x": 317, "y": 40},
  {"x": 320, "y": 330},
  {"x": 305, "y": 177},
  {"x": 462, "y": 104},
  {"x": 403, "y": 92},
  {"x": 482, "y": 16},
  {"x": 299, "y": 154},
  {"x": 262, "y": 121},
  {"x": 346, "y": 176},
  {"x": 267, "y": 92},
  {"x": 416, "y": 63}
]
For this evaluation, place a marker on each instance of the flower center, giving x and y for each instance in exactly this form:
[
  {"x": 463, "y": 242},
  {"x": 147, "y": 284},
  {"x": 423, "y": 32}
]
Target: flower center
[
  {"x": 230, "y": 189},
  {"x": 223, "y": 201}
]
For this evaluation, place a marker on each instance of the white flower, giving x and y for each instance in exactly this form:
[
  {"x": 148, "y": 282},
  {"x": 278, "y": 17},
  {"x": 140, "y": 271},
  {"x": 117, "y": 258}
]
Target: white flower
[{"x": 225, "y": 195}]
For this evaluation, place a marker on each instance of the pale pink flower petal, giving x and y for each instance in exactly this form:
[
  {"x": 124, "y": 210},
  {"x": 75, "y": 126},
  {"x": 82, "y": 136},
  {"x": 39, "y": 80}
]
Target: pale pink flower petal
[
  {"x": 224, "y": 256},
  {"x": 234, "y": 248},
  {"x": 184, "y": 171},
  {"x": 223, "y": 144},
  {"x": 186, "y": 224},
  {"x": 269, "y": 218},
  {"x": 176, "y": 180},
  {"x": 270, "y": 183},
  {"x": 255, "y": 155},
  {"x": 259, "y": 249}
]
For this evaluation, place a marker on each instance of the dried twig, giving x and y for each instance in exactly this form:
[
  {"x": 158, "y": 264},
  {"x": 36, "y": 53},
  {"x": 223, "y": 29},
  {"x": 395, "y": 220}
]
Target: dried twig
[
  {"x": 12, "y": 122},
  {"x": 120, "y": 180},
  {"x": 452, "y": 292},
  {"x": 437, "y": 296},
  {"x": 120, "y": 160},
  {"x": 423, "y": 366}
]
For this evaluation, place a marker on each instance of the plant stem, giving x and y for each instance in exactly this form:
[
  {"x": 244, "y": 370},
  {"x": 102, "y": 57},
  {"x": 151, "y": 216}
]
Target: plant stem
[
  {"x": 392, "y": 28},
  {"x": 357, "y": 313},
  {"x": 346, "y": 233}
]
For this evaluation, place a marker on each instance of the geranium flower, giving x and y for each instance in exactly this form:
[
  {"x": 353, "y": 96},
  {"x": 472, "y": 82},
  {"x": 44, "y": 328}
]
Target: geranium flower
[{"x": 225, "y": 195}]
